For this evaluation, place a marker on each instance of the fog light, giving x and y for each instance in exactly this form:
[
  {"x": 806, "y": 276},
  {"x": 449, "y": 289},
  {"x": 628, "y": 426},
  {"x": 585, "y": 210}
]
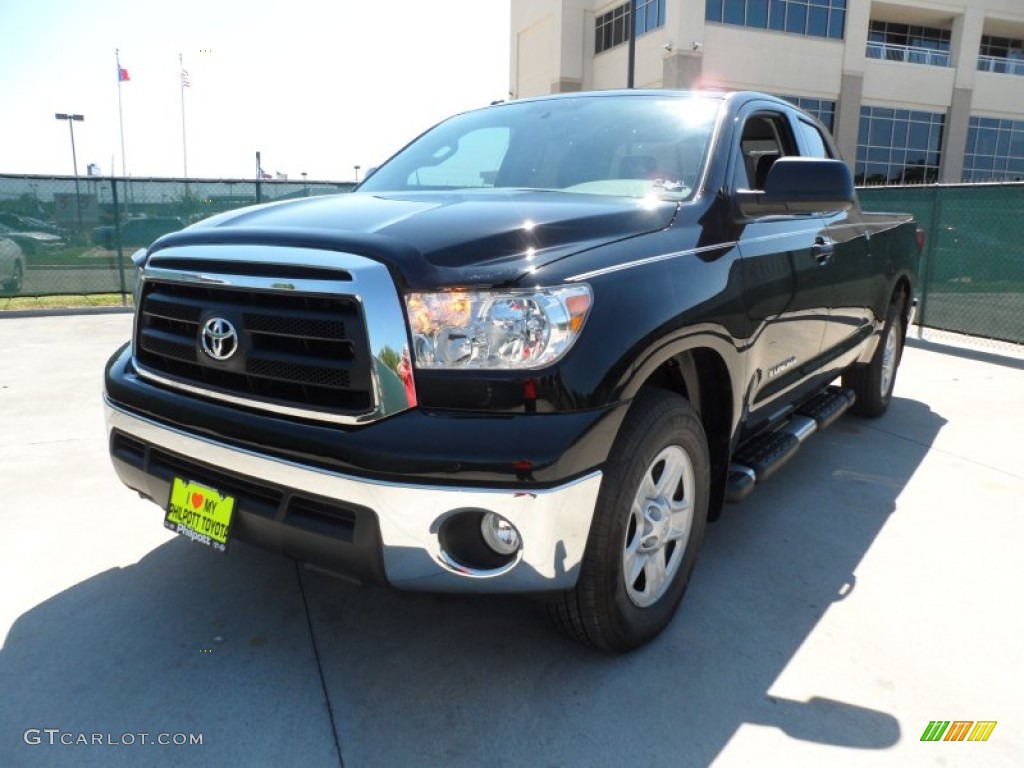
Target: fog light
[{"x": 499, "y": 534}]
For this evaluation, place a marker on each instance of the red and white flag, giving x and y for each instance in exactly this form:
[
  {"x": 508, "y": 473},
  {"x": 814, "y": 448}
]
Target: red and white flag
[{"x": 186, "y": 82}]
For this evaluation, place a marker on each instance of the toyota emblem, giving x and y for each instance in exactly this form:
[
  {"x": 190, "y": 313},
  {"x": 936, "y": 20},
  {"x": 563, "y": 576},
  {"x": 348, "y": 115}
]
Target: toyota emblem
[{"x": 219, "y": 338}]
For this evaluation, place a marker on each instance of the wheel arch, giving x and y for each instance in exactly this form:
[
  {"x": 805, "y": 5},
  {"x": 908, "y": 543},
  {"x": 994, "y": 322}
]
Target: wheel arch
[
  {"x": 701, "y": 375},
  {"x": 903, "y": 289}
]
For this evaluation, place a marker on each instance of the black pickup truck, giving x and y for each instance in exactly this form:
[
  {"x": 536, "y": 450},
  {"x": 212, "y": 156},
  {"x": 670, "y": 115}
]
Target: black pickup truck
[{"x": 534, "y": 352}]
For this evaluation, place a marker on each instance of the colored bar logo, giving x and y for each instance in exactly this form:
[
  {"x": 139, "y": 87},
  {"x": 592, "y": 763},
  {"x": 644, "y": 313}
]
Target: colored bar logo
[{"x": 958, "y": 730}]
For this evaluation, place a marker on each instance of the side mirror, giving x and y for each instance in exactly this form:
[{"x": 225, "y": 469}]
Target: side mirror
[{"x": 800, "y": 185}]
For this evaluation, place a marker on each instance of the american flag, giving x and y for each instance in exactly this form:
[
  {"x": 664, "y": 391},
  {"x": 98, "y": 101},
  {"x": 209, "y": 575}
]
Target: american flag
[{"x": 186, "y": 82}]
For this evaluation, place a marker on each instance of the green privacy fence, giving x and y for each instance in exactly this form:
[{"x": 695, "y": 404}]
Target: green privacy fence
[
  {"x": 972, "y": 269},
  {"x": 69, "y": 236},
  {"x": 60, "y": 235}
]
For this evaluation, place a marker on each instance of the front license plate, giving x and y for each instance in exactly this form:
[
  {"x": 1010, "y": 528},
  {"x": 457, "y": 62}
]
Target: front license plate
[{"x": 200, "y": 513}]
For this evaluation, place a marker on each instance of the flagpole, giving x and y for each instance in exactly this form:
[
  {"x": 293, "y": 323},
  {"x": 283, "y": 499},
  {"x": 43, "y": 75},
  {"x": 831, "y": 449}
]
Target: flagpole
[
  {"x": 184, "y": 143},
  {"x": 120, "y": 114}
]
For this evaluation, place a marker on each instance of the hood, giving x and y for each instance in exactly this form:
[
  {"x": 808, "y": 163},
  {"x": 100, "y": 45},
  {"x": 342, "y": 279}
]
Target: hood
[{"x": 433, "y": 239}]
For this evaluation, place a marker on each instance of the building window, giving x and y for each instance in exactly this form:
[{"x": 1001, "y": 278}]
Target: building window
[
  {"x": 908, "y": 43},
  {"x": 650, "y": 14},
  {"x": 995, "y": 150},
  {"x": 613, "y": 27},
  {"x": 898, "y": 146},
  {"x": 823, "y": 109},
  {"x": 816, "y": 18},
  {"x": 1001, "y": 54}
]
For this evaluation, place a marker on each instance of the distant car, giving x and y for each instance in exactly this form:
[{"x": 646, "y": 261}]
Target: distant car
[
  {"x": 12, "y": 266},
  {"x": 21, "y": 223},
  {"x": 136, "y": 232},
  {"x": 29, "y": 241}
]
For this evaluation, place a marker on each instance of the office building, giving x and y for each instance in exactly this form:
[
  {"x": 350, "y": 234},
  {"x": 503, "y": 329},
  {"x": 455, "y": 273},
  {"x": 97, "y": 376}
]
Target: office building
[{"x": 913, "y": 90}]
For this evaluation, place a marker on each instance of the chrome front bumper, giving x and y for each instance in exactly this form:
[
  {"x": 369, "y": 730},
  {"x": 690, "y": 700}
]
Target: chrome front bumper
[{"x": 553, "y": 523}]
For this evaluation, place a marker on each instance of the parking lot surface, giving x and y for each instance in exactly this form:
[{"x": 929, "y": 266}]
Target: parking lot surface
[{"x": 868, "y": 589}]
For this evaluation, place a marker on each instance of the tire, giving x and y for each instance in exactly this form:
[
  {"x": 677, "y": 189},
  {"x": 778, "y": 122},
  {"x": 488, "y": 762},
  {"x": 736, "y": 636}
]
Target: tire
[
  {"x": 649, "y": 521},
  {"x": 874, "y": 383},
  {"x": 13, "y": 285}
]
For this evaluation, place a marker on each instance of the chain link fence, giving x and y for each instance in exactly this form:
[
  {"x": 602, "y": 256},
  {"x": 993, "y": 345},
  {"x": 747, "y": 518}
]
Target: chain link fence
[
  {"x": 972, "y": 269},
  {"x": 61, "y": 236},
  {"x": 65, "y": 236}
]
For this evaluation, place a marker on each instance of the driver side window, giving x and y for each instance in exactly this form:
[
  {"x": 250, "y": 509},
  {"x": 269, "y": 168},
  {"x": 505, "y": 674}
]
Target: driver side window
[{"x": 765, "y": 138}]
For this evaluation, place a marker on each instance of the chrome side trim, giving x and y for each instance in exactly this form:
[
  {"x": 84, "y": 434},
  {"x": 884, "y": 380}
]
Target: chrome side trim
[
  {"x": 649, "y": 260},
  {"x": 554, "y": 523},
  {"x": 725, "y": 244},
  {"x": 370, "y": 285}
]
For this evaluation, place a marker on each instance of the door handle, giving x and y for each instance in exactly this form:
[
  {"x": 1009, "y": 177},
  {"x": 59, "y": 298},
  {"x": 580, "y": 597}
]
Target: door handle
[{"x": 822, "y": 250}]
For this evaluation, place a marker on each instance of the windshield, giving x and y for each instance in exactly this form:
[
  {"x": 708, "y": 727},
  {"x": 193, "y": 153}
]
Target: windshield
[{"x": 631, "y": 146}]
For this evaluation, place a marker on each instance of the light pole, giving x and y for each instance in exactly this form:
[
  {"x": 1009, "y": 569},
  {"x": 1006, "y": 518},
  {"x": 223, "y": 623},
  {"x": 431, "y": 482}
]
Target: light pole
[
  {"x": 74, "y": 158},
  {"x": 357, "y": 167},
  {"x": 305, "y": 183},
  {"x": 631, "y": 54}
]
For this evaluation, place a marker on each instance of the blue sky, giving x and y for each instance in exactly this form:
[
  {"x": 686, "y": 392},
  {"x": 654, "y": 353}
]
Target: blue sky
[{"x": 315, "y": 86}]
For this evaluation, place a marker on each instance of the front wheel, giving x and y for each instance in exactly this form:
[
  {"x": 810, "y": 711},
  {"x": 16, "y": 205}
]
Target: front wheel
[{"x": 647, "y": 529}]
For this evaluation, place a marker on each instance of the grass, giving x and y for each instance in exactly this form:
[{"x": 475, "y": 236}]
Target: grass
[
  {"x": 62, "y": 302},
  {"x": 80, "y": 256}
]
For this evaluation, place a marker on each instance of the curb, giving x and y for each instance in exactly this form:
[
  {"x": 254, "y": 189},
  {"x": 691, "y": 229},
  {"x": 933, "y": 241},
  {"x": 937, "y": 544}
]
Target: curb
[
  {"x": 64, "y": 312},
  {"x": 968, "y": 352}
]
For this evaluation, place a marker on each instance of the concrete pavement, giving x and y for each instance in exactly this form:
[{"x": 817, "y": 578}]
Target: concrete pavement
[{"x": 864, "y": 591}]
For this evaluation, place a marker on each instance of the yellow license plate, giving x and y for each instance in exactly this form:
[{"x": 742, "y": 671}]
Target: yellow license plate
[{"x": 200, "y": 513}]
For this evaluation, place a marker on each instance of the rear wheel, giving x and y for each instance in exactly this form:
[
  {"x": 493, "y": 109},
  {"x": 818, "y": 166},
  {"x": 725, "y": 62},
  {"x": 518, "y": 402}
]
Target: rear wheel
[
  {"x": 647, "y": 529},
  {"x": 14, "y": 284},
  {"x": 873, "y": 383}
]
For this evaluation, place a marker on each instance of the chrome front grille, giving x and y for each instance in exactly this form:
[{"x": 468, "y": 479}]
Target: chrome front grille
[
  {"x": 297, "y": 350},
  {"x": 319, "y": 332}
]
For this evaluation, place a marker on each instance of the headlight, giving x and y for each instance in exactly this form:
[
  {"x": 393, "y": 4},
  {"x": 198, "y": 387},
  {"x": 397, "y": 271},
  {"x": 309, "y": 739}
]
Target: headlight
[{"x": 496, "y": 329}]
